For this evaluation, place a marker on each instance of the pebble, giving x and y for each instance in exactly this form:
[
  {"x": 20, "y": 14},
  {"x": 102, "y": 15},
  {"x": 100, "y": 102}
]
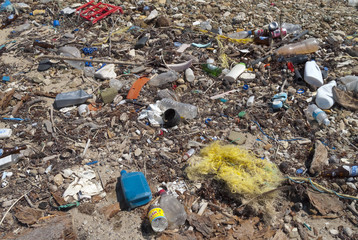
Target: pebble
[
  {"x": 7, "y": 203},
  {"x": 33, "y": 172},
  {"x": 348, "y": 231},
  {"x": 294, "y": 233},
  {"x": 137, "y": 152},
  {"x": 58, "y": 180},
  {"x": 333, "y": 232},
  {"x": 351, "y": 185},
  {"x": 123, "y": 117},
  {"x": 41, "y": 170}
]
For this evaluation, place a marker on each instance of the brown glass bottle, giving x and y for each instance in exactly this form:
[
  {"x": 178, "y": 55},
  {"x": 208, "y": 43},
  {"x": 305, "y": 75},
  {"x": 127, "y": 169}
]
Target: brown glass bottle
[
  {"x": 263, "y": 40},
  {"x": 348, "y": 170},
  {"x": 8, "y": 21},
  {"x": 4, "y": 152}
]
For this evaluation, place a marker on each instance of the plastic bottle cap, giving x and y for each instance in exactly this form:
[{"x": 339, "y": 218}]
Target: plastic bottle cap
[
  {"x": 249, "y": 32},
  {"x": 277, "y": 104},
  {"x": 162, "y": 191},
  {"x": 123, "y": 172},
  {"x": 326, "y": 122},
  {"x": 243, "y": 64}
]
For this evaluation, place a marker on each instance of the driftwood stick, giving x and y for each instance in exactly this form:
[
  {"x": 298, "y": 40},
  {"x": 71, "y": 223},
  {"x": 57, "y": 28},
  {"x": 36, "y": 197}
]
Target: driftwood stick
[{"x": 88, "y": 60}]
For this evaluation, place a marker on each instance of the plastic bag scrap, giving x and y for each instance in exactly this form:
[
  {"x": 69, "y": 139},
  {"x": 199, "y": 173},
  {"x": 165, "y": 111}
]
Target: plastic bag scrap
[
  {"x": 84, "y": 182},
  {"x": 243, "y": 172},
  {"x": 153, "y": 114}
]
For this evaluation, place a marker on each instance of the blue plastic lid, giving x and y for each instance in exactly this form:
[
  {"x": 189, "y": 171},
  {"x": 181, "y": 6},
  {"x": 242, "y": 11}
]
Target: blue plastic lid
[{"x": 123, "y": 172}]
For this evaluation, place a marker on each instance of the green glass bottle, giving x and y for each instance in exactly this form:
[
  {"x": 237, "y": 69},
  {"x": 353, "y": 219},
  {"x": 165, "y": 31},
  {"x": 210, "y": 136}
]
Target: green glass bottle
[{"x": 212, "y": 70}]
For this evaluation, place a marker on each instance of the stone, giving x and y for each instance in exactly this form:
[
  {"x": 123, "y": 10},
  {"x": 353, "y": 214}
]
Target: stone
[
  {"x": 41, "y": 170},
  {"x": 58, "y": 180},
  {"x": 237, "y": 137},
  {"x": 111, "y": 210},
  {"x": 333, "y": 232},
  {"x": 108, "y": 95},
  {"x": 28, "y": 215},
  {"x": 163, "y": 21},
  {"x": 348, "y": 231},
  {"x": 123, "y": 117},
  {"x": 294, "y": 233},
  {"x": 320, "y": 158},
  {"x": 137, "y": 152},
  {"x": 351, "y": 185}
]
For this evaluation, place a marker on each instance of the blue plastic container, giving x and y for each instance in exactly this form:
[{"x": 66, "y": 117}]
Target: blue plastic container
[
  {"x": 56, "y": 23},
  {"x": 135, "y": 189}
]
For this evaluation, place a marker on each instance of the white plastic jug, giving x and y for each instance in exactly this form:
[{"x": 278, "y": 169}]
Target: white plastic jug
[
  {"x": 313, "y": 74},
  {"x": 324, "y": 97}
]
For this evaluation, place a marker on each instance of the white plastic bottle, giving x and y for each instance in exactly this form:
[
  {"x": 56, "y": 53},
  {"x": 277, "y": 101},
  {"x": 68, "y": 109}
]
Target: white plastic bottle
[
  {"x": 313, "y": 74},
  {"x": 316, "y": 113},
  {"x": 240, "y": 35},
  {"x": 157, "y": 219},
  {"x": 5, "y": 133},
  {"x": 174, "y": 210},
  {"x": 185, "y": 110},
  {"x": 324, "y": 97},
  {"x": 189, "y": 75},
  {"x": 235, "y": 72}
]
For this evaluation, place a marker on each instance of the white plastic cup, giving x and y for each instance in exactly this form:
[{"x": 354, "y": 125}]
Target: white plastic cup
[
  {"x": 83, "y": 110},
  {"x": 324, "y": 97},
  {"x": 313, "y": 74},
  {"x": 235, "y": 72},
  {"x": 189, "y": 75}
]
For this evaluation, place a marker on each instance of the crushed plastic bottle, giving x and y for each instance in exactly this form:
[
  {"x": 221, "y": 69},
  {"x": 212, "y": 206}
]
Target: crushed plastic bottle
[
  {"x": 292, "y": 28},
  {"x": 72, "y": 52},
  {"x": 350, "y": 83},
  {"x": 173, "y": 209},
  {"x": 316, "y": 113},
  {"x": 164, "y": 78},
  {"x": 185, "y": 110}
]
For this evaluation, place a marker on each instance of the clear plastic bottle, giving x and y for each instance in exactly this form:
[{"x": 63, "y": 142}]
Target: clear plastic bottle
[
  {"x": 320, "y": 116},
  {"x": 188, "y": 154},
  {"x": 164, "y": 78},
  {"x": 174, "y": 210},
  {"x": 350, "y": 82},
  {"x": 157, "y": 218},
  {"x": 310, "y": 45},
  {"x": 185, "y": 110},
  {"x": 240, "y": 35},
  {"x": 292, "y": 28}
]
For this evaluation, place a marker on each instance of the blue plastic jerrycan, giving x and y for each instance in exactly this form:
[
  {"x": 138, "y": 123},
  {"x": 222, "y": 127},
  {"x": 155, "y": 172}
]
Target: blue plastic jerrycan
[{"x": 135, "y": 189}]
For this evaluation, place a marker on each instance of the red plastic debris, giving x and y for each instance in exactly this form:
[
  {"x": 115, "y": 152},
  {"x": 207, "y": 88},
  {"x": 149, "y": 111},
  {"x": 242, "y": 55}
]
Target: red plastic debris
[{"x": 95, "y": 12}]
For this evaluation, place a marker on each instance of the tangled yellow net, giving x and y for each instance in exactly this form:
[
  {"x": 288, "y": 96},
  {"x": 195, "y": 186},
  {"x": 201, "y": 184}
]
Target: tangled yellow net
[{"x": 243, "y": 172}]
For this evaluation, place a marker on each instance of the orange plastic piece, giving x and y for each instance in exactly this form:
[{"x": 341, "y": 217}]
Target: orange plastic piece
[
  {"x": 136, "y": 87},
  {"x": 94, "y": 107}
]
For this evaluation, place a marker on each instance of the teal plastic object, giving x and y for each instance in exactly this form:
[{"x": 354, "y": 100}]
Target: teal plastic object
[{"x": 135, "y": 189}]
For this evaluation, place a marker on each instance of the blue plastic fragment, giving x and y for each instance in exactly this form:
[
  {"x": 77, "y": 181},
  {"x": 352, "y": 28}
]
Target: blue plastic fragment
[
  {"x": 91, "y": 163},
  {"x": 299, "y": 171},
  {"x": 6, "y": 78},
  {"x": 245, "y": 87}
]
